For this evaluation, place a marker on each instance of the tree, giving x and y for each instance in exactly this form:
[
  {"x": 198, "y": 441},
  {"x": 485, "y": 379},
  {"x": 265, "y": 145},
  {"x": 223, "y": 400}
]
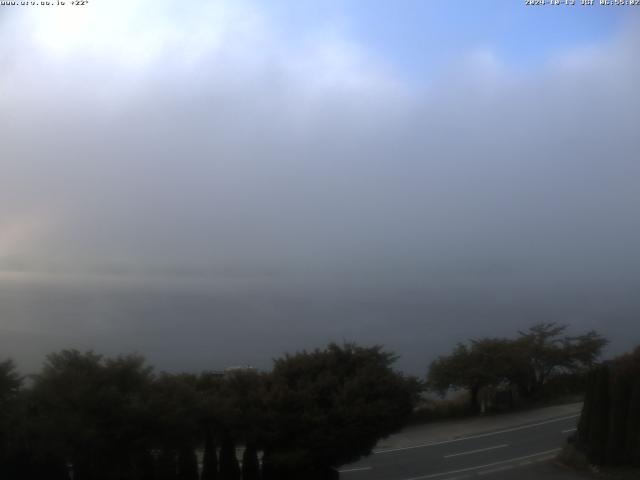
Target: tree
[
  {"x": 543, "y": 351},
  {"x": 210, "y": 458},
  {"x": 484, "y": 362},
  {"x": 232, "y": 410},
  {"x": 10, "y": 384},
  {"x": 527, "y": 362},
  {"x": 167, "y": 465},
  {"x": 92, "y": 412},
  {"x": 187, "y": 464},
  {"x": 229, "y": 468},
  {"x": 330, "y": 407},
  {"x": 113, "y": 418},
  {"x": 10, "y": 381},
  {"x": 632, "y": 450},
  {"x": 175, "y": 403},
  {"x": 609, "y": 427},
  {"x": 250, "y": 463}
]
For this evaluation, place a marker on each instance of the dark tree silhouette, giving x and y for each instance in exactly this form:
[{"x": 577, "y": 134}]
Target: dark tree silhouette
[
  {"x": 609, "y": 427},
  {"x": 187, "y": 464},
  {"x": 229, "y": 468},
  {"x": 10, "y": 381},
  {"x": 167, "y": 468},
  {"x": 543, "y": 350},
  {"x": 330, "y": 407},
  {"x": 210, "y": 458},
  {"x": 250, "y": 463},
  {"x": 527, "y": 362},
  {"x": 484, "y": 362},
  {"x": 114, "y": 419}
]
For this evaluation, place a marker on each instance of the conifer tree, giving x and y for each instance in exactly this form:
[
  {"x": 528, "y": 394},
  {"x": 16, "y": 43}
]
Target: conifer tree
[
  {"x": 599, "y": 419},
  {"x": 250, "y": 463},
  {"x": 210, "y": 458},
  {"x": 618, "y": 417},
  {"x": 229, "y": 468},
  {"x": 187, "y": 464}
]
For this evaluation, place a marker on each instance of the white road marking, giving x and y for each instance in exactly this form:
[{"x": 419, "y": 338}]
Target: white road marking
[
  {"x": 476, "y": 451},
  {"x": 480, "y": 467},
  {"x": 569, "y": 430},
  {"x": 360, "y": 469},
  {"x": 495, "y": 470},
  {"x": 481, "y": 435},
  {"x": 543, "y": 459}
]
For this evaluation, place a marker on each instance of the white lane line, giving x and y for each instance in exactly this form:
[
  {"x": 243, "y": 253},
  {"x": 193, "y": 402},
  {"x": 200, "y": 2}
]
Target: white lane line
[
  {"x": 360, "y": 469},
  {"x": 481, "y": 435},
  {"x": 569, "y": 430},
  {"x": 543, "y": 459},
  {"x": 480, "y": 467},
  {"x": 496, "y": 470},
  {"x": 469, "y": 452}
]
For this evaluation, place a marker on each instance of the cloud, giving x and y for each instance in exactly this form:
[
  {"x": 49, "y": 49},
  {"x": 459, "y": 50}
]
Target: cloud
[
  {"x": 209, "y": 139},
  {"x": 203, "y": 143},
  {"x": 145, "y": 130}
]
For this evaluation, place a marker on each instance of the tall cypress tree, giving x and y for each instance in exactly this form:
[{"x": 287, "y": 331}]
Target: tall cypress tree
[
  {"x": 584, "y": 424},
  {"x": 609, "y": 427},
  {"x": 250, "y": 463},
  {"x": 268, "y": 471},
  {"x": 187, "y": 464},
  {"x": 618, "y": 417},
  {"x": 229, "y": 468},
  {"x": 599, "y": 418},
  {"x": 632, "y": 444},
  {"x": 144, "y": 466},
  {"x": 166, "y": 466},
  {"x": 210, "y": 458}
]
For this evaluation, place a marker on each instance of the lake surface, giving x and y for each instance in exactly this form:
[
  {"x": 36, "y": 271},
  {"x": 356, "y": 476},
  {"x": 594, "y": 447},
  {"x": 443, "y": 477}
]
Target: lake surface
[{"x": 215, "y": 324}]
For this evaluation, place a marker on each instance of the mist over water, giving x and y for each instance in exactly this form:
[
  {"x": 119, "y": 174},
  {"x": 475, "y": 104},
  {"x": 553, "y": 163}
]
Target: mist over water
[{"x": 184, "y": 327}]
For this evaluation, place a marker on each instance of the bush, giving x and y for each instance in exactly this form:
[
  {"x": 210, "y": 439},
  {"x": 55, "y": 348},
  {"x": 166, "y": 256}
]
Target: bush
[{"x": 434, "y": 409}]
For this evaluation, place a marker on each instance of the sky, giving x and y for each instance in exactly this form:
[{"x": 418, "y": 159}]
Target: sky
[{"x": 217, "y": 183}]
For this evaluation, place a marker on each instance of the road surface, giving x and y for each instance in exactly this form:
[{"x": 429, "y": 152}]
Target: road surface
[{"x": 493, "y": 454}]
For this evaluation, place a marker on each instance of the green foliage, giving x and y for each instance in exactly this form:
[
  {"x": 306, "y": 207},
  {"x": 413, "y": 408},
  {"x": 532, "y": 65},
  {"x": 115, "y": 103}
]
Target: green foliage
[
  {"x": 175, "y": 404},
  {"x": 484, "y": 362},
  {"x": 542, "y": 351},
  {"x": 114, "y": 419},
  {"x": 240, "y": 405},
  {"x": 93, "y": 412},
  {"x": 330, "y": 407},
  {"x": 10, "y": 381},
  {"x": 527, "y": 362},
  {"x": 433, "y": 409}
]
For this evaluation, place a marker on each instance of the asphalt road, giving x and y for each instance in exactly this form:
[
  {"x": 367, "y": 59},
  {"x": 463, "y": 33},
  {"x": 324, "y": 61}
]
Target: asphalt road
[{"x": 495, "y": 454}]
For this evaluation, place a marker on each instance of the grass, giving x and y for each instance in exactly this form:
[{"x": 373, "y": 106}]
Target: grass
[
  {"x": 433, "y": 409},
  {"x": 456, "y": 406}
]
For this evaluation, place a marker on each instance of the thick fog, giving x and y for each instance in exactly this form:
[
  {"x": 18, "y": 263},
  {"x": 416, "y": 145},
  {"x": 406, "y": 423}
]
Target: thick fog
[{"x": 194, "y": 186}]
